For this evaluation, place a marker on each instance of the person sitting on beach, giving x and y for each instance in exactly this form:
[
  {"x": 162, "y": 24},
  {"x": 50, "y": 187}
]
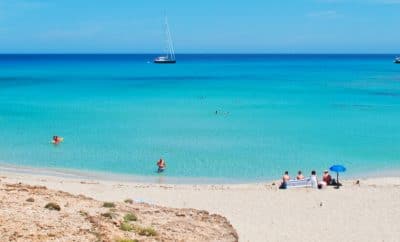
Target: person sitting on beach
[
  {"x": 314, "y": 180},
  {"x": 285, "y": 179},
  {"x": 300, "y": 176},
  {"x": 326, "y": 178},
  {"x": 161, "y": 165}
]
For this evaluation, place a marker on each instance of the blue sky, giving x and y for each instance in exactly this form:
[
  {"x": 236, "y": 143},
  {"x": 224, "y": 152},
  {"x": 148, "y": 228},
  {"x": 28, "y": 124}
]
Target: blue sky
[{"x": 207, "y": 26}]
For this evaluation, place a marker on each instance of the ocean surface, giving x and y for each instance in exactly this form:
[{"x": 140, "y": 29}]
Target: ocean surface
[{"x": 227, "y": 117}]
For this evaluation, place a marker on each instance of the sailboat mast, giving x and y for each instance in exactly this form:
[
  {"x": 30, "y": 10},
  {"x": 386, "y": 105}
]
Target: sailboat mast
[
  {"x": 170, "y": 46},
  {"x": 169, "y": 57}
]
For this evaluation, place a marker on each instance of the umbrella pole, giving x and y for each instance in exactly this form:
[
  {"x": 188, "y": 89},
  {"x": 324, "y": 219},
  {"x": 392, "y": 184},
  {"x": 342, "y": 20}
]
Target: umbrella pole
[{"x": 337, "y": 179}]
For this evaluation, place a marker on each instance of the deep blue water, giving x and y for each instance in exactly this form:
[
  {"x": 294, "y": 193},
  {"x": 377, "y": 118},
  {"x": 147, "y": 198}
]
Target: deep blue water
[{"x": 120, "y": 113}]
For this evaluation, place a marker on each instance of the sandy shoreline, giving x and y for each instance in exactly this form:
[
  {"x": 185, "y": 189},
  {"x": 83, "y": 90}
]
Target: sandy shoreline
[
  {"x": 260, "y": 212},
  {"x": 165, "y": 178}
]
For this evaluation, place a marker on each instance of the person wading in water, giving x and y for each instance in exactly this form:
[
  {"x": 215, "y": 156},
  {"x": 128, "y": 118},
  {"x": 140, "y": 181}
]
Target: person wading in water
[{"x": 161, "y": 165}]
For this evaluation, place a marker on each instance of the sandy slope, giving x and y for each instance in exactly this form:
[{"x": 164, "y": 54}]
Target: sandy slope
[
  {"x": 369, "y": 211},
  {"x": 23, "y": 217}
]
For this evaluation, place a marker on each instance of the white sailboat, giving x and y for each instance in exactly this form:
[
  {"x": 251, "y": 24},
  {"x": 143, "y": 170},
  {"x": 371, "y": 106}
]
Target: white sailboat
[{"x": 169, "y": 57}]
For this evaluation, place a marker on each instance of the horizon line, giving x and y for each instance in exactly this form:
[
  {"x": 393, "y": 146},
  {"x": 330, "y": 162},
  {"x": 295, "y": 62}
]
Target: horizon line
[{"x": 195, "y": 53}]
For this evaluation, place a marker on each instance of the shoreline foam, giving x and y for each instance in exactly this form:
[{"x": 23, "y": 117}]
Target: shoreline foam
[{"x": 164, "y": 178}]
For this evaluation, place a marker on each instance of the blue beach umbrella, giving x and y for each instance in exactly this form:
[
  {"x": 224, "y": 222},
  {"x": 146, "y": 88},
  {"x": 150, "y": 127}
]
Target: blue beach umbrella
[{"x": 337, "y": 169}]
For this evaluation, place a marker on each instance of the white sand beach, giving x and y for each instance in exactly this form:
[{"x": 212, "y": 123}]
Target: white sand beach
[{"x": 369, "y": 211}]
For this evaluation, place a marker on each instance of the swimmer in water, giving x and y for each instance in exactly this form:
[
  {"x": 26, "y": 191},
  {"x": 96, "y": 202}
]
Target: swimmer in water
[{"x": 56, "y": 139}]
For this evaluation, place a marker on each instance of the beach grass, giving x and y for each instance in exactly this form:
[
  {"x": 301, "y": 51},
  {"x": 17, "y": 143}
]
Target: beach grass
[
  {"x": 53, "y": 206},
  {"x": 127, "y": 240},
  {"x": 108, "y": 215},
  {"x": 145, "y": 231},
  {"x": 130, "y": 217},
  {"x": 109, "y": 205},
  {"x": 125, "y": 226}
]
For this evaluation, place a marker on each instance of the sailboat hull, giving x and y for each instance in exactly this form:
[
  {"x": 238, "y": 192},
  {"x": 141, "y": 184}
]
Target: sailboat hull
[{"x": 164, "y": 61}]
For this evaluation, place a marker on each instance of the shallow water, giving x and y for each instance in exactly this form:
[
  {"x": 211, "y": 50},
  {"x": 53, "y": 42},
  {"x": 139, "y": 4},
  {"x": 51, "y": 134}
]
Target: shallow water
[{"x": 120, "y": 113}]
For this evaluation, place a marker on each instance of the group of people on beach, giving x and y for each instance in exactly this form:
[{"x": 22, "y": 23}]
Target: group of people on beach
[{"x": 326, "y": 179}]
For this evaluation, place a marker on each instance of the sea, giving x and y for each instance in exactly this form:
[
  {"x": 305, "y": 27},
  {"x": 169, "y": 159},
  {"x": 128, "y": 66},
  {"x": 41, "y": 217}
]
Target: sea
[{"x": 211, "y": 117}]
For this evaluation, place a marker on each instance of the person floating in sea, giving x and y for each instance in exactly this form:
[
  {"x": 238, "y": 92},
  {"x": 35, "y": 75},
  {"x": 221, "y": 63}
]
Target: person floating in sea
[
  {"x": 57, "y": 139},
  {"x": 161, "y": 165}
]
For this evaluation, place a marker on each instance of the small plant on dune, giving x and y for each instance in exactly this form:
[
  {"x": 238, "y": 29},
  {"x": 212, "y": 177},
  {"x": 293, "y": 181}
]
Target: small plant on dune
[
  {"x": 31, "y": 200},
  {"x": 53, "y": 206},
  {"x": 83, "y": 213},
  {"x": 126, "y": 226},
  {"x": 130, "y": 217},
  {"x": 149, "y": 231},
  {"x": 130, "y": 201},
  {"x": 108, "y": 215},
  {"x": 127, "y": 240},
  {"x": 108, "y": 205}
]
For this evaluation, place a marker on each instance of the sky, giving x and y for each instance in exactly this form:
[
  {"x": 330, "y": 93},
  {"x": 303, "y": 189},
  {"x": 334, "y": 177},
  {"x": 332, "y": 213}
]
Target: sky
[{"x": 206, "y": 26}]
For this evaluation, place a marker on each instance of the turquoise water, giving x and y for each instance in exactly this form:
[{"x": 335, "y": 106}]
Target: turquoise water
[{"x": 121, "y": 113}]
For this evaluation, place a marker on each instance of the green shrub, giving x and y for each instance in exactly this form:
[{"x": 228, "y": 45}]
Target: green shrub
[
  {"x": 130, "y": 217},
  {"x": 126, "y": 226},
  {"x": 31, "y": 200},
  {"x": 127, "y": 240},
  {"x": 146, "y": 231},
  {"x": 53, "y": 206},
  {"x": 108, "y": 215},
  {"x": 108, "y": 205},
  {"x": 130, "y": 201}
]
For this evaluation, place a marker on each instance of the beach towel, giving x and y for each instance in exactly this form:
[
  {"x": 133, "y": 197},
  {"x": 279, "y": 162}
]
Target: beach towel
[{"x": 306, "y": 182}]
